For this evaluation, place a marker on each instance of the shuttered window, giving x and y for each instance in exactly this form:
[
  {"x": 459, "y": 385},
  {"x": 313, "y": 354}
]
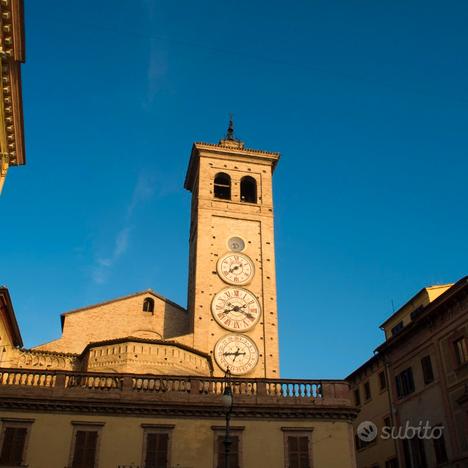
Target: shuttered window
[
  {"x": 156, "y": 450},
  {"x": 84, "y": 455},
  {"x": 233, "y": 452},
  {"x": 13, "y": 446},
  {"x": 298, "y": 452},
  {"x": 405, "y": 383},
  {"x": 428, "y": 373}
]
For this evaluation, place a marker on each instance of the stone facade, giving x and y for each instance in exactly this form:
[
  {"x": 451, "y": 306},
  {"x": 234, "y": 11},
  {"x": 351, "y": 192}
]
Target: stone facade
[
  {"x": 426, "y": 382},
  {"x": 120, "y": 318}
]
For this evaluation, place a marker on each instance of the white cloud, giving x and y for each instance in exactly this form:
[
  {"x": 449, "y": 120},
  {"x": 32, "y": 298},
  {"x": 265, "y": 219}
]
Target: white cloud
[
  {"x": 144, "y": 190},
  {"x": 103, "y": 264}
]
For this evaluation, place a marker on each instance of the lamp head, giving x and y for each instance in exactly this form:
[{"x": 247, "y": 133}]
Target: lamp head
[{"x": 227, "y": 397}]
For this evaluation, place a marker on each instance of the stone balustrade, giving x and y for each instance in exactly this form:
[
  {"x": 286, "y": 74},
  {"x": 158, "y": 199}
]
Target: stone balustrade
[{"x": 185, "y": 388}]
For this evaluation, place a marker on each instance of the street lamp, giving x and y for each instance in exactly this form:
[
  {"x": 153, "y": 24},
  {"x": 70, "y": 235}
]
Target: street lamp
[{"x": 227, "y": 400}]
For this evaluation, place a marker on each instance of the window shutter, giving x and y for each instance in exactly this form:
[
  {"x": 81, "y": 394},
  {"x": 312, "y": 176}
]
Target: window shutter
[
  {"x": 156, "y": 450},
  {"x": 84, "y": 455},
  {"x": 298, "y": 452},
  {"x": 233, "y": 452},
  {"x": 13, "y": 445}
]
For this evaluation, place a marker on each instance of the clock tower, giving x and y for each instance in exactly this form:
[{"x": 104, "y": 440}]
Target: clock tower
[{"x": 232, "y": 281}]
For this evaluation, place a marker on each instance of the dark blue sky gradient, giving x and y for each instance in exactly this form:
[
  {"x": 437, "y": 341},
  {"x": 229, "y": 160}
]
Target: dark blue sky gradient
[{"x": 366, "y": 101}]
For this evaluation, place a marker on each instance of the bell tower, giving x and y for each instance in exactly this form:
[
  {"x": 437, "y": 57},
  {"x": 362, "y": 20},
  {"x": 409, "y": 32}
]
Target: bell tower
[{"x": 232, "y": 281}]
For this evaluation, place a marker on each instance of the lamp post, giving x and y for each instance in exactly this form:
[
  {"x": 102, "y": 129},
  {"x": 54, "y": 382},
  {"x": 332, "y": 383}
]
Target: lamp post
[{"x": 228, "y": 400}]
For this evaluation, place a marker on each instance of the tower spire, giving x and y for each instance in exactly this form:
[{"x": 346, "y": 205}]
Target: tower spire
[
  {"x": 230, "y": 130},
  {"x": 229, "y": 139}
]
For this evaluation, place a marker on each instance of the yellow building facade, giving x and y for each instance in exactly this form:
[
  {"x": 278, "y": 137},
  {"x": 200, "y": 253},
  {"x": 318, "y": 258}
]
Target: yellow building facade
[
  {"x": 138, "y": 380},
  {"x": 417, "y": 380}
]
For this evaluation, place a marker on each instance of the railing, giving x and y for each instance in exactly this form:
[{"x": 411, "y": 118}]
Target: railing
[{"x": 147, "y": 384}]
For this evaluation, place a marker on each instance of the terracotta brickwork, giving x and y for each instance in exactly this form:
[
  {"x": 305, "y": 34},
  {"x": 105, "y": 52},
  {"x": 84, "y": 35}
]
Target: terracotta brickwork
[
  {"x": 214, "y": 221},
  {"x": 117, "y": 319},
  {"x": 146, "y": 357}
]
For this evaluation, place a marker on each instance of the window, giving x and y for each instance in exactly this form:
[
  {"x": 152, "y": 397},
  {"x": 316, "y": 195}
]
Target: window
[
  {"x": 248, "y": 189},
  {"x": 235, "y": 449},
  {"x": 298, "y": 451},
  {"x": 397, "y": 328},
  {"x": 404, "y": 383},
  {"x": 367, "y": 391},
  {"x": 14, "y": 436},
  {"x": 148, "y": 305},
  {"x": 222, "y": 186},
  {"x": 439, "y": 447},
  {"x": 156, "y": 450},
  {"x": 428, "y": 374},
  {"x": 85, "y": 449},
  {"x": 392, "y": 463},
  {"x": 382, "y": 380},
  {"x": 415, "y": 456},
  {"x": 461, "y": 351},
  {"x": 357, "y": 397},
  {"x": 85, "y": 444},
  {"x": 233, "y": 452},
  {"x": 156, "y": 445}
]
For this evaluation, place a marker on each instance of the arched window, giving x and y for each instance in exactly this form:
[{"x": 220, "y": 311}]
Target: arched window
[
  {"x": 222, "y": 186},
  {"x": 148, "y": 305},
  {"x": 248, "y": 189}
]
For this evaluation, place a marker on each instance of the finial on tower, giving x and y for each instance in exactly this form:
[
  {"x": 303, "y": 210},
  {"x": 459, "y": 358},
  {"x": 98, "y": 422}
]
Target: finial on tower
[
  {"x": 230, "y": 130},
  {"x": 230, "y": 140}
]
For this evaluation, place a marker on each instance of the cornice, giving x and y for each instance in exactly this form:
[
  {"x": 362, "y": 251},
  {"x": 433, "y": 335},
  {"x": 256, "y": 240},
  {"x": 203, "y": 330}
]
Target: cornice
[
  {"x": 12, "y": 54},
  {"x": 234, "y": 153},
  {"x": 99, "y": 407},
  {"x": 231, "y": 149}
]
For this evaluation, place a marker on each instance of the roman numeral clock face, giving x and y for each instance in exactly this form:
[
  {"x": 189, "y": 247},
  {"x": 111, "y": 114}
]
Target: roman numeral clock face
[
  {"x": 235, "y": 268},
  {"x": 236, "y": 309},
  {"x": 237, "y": 353}
]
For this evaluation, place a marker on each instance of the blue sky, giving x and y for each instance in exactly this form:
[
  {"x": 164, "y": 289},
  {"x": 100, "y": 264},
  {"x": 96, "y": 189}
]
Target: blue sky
[{"x": 366, "y": 101}]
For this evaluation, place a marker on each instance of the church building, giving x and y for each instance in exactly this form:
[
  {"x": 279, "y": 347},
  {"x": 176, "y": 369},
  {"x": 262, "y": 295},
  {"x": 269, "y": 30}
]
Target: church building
[{"x": 139, "y": 380}]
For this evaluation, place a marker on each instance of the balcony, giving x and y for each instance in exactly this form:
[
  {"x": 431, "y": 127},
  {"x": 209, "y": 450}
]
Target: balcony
[{"x": 147, "y": 393}]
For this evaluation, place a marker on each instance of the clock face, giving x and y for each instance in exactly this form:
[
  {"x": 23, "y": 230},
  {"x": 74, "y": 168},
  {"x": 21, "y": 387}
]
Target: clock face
[
  {"x": 236, "y": 309},
  {"x": 235, "y": 268},
  {"x": 238, "y": 353}
]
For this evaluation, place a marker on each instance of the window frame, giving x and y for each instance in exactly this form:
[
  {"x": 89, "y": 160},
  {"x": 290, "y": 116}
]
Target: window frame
[
  {"x": 220, "y": 431},
  {"x": 227, "y": 186},
  {"x": 405, "y": 387},
  {"x": 17, "y": 423},
  {"x": 150, "y": 301},
  {"x": 357, "y": 396},
  {"x": 397, "y": 328},
  {"x": 87, "y": 426},
  {"x": 297, "y": 432},
  {"x": 157, "y": 429},
  {"x": 382, "y": 381},
  {"x": 367, "y": 391},
  {"x": 439, "y": 446},
  {"x": 427, "y": 369},
  {"x": 464, "y": 351},
  {"x": 250, "y": 180}
]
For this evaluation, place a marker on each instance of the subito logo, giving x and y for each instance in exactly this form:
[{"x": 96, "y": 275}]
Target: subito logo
[{"x": 367, "y": 431}]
